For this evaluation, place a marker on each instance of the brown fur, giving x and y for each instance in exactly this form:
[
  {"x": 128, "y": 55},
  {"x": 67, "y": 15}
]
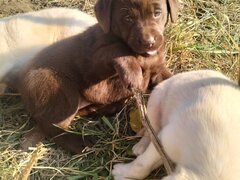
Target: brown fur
[{"x": 97, "y": 69}]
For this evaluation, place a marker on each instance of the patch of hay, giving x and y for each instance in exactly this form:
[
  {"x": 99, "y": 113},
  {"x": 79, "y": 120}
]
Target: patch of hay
[{"x": 207, "y": 35}]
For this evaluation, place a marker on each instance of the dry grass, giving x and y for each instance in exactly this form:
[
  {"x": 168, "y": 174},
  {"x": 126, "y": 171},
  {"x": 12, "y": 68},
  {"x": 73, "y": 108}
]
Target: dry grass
[{"x": 207, "y": 35}]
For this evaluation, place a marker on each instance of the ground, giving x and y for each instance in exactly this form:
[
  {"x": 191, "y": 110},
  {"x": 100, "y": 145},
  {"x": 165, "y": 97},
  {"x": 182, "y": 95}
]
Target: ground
[{"x": 206, "y": 36}]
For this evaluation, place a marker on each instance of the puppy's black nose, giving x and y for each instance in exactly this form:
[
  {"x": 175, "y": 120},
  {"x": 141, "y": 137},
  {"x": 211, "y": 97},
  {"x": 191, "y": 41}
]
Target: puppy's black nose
[{"x": 147, "y": 42}]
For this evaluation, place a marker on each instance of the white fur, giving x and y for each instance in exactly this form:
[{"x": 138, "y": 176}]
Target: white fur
[
  {"x": 24, "y": 35},
  {"x": 197, "y": 117}
]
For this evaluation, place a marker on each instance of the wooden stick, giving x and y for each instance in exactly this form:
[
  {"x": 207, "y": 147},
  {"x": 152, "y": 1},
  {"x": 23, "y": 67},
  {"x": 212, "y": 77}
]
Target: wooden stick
[{"x": 154, "y": 138}]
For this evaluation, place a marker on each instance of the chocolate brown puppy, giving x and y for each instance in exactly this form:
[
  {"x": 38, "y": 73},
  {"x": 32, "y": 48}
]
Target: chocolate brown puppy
[{"x": 98, "y": 68}]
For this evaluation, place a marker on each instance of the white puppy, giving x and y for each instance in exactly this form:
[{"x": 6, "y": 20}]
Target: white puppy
[
  {"x": 197, "y": 117},
  {"x": 24, "y": 35}
]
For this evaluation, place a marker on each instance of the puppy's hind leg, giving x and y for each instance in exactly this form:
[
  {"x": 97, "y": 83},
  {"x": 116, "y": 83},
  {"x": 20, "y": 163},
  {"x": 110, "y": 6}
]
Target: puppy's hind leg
[
  {"x": 53, "y": 102},
  {"x": 57, "y": 132},
  {"x": 59, "y": 121},
  {"x": 32, "y": 138},
  {"x": 149, "y": 160},
  {"x": 140, "y": 167}
]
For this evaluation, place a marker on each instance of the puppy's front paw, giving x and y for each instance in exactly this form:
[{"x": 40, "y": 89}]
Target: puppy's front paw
[
  {"x": 133, "y": 80},
  {"x": 130, "y": 72},
  {"x": 133, "y": 170},
  {"x": 141, "y": 146},
  {"x": 120, "y": 171}
]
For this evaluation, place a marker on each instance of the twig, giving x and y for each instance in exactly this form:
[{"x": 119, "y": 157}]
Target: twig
[{"x": 154, "y": 138}]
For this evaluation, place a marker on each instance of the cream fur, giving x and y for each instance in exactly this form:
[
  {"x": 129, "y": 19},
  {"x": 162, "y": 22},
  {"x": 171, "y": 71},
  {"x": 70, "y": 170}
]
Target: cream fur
[
  {"x": 198, "y": 113},
  {"x": 23, "y": 35}
]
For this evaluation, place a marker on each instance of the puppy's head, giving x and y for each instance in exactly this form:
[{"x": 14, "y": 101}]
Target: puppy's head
[{"x": 139, "y": 23}]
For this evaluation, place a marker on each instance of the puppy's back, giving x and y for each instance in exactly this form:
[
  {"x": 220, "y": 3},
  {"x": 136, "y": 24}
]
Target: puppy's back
[{"x": 201, "y": 122}]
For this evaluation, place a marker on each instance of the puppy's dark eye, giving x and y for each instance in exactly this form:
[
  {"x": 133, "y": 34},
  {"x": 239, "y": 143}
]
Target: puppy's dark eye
[
  {"x": 157, "y": 13},
  {"x": 128, "y": 19}
]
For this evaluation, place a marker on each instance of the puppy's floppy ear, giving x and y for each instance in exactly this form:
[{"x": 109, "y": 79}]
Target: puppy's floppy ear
[
  {"x": 103, "y": 10},
  {"x": 173, "y": 6}
]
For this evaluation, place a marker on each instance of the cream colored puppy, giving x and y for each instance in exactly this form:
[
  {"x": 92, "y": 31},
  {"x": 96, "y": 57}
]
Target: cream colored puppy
[
  {"x": 197, "y": 117},
  {"x": 24, "y": 35}
]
